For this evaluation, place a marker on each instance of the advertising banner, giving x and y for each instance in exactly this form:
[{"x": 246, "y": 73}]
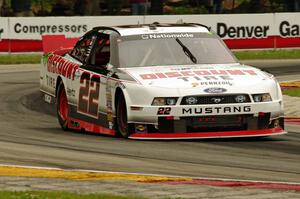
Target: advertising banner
[
  {"x": 25, "y": 33},
  {"x": 288, "y": 30},
  {"x": 4, "y": 34},
  {"x": 34, "y": 27},
  {"x": 239, "y": 31}
]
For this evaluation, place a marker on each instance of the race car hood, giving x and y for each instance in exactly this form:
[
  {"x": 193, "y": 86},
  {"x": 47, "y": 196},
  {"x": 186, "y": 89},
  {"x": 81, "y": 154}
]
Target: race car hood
[{"x": 186, "y": 77}]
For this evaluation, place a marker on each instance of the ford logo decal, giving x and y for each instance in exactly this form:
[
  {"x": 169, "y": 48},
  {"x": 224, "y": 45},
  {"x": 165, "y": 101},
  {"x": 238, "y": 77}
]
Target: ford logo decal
[{"x": 215, "y": 90}]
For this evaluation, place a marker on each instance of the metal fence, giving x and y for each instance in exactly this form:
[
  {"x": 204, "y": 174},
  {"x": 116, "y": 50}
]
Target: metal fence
[{"x": 141, "y": 7}]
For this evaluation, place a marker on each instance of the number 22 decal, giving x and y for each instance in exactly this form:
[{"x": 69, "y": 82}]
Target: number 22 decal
[
  {"x": 164, "y": 111},
  {"x": 89, "y": 94}
]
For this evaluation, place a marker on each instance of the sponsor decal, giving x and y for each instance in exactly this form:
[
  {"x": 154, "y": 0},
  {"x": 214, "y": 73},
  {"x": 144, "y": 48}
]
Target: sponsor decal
[
  {"x": 167, "y": 35},
  {"x": 57, "y": 64},
  {"x": 50, "y": 81},
  {"x": 191, "y": 100},
  {"x": 49, "y": 29},
  {"x": 207, "y": 74},
  {"x": 224, "y": 30},
  {"x": 216, "y": 83},
  {"x": 71, "y": 92},
  {"x": 195, "y": 84},
  {"x": 108, "y": 94},
  {"x": 109, "y": 105},
  {"x": 140, "y": 128},
  {"x": 188, "y": 68},
  {"x": 240, "y": 98},
  {"x": 289, "y": 30},
  {"x": 217, "y": 100},
  {"x": 215, "y": 90},
  {"x": 216, "y": 110},
  {"x": 205, "y": 78},
  {"x": 48, "y": 98}
]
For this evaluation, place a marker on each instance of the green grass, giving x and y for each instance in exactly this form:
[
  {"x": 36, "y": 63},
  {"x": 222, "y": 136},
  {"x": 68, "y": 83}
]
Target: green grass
[
  {"x": 20, "y": 59},
  {"x": 58, "y": 195},
  {"x": 241, "y": 55},
  {"x": 294, "y": 92},
  {"x": 268, "y": 54}
]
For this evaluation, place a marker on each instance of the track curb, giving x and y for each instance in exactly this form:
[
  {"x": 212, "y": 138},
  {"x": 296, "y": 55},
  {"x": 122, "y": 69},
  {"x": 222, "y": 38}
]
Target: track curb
[
  {"x": 93, "y": 175},
  {"x": 290, "y": 84},
  {"x": 295, "y": 120}
]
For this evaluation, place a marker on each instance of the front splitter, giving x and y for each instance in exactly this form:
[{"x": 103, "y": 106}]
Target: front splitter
[{"x": 208, "y": 135}]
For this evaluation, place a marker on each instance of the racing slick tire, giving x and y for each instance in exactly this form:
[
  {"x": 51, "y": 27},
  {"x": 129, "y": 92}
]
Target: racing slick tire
[
  {"x": 123, "y": 127},
  {"x": 62, "y": 106}
]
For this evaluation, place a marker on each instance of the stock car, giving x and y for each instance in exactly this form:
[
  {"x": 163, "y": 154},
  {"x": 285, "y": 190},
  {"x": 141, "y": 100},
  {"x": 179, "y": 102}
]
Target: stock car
[{"x": 159, "y": 81}]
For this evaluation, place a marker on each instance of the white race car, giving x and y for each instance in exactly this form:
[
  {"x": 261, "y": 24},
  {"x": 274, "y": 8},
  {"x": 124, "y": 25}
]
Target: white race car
[{"x": 160, "y": 81}]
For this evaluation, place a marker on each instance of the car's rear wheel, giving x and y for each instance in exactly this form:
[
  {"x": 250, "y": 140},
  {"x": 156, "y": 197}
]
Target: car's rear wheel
[
  {"x": 62, "y": 107},
  {"x": 122, "y": 125}
]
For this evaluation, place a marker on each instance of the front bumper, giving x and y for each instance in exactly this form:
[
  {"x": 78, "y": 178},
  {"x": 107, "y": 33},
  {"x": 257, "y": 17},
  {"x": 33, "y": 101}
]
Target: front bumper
[
  {"x": 208, "y": 135},
  {"x": 209, "y": 121}
]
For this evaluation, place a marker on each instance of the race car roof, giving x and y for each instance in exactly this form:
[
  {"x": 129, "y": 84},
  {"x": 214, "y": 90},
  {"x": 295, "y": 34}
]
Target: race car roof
[{"x": 139, "y": 29}]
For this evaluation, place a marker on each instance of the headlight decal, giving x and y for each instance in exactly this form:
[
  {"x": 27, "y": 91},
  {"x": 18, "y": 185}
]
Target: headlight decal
[
  {"x": 161, "y": 101},
  {"x": 263, "y": 97}
]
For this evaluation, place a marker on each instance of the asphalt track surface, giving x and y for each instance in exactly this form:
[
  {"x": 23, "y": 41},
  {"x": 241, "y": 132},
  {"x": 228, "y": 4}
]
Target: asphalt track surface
[{"x": 30, "y": 135}]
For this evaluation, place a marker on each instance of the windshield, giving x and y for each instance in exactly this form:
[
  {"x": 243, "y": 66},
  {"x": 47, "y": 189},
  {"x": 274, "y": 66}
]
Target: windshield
[{"x": 170, "y": 51}]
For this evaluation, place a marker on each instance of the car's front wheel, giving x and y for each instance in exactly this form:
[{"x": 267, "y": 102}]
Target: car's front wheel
[
  {"x": 122, "y": 125},
  {"x": 62, "y": 107}
]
